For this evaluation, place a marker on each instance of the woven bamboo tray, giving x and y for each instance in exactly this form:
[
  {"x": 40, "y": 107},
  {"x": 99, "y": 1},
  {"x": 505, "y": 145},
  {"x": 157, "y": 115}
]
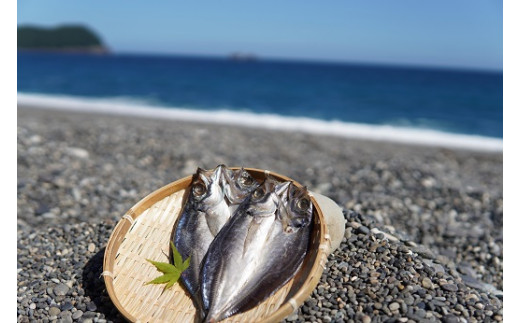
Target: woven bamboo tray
[{"x": 145, "y": 232}]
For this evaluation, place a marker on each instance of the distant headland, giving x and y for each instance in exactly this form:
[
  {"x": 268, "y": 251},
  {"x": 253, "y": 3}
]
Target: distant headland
[{"x": 66, "y": 38}]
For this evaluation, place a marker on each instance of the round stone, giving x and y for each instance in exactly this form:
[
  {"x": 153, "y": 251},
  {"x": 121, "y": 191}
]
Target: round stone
[
  {"x": 409, "y": 300},
  {"x": 76, "y": 315},
  {"x": 364, "y": 230},
  {"x": 61, "y": 289},
  {"x": 54, "y": 311},
  {"x": 421, "y": 313},
  {"x": 450, "y": 319},
  {"x": 427, "y": 283},
  {"x": 66, "y": 317},
  {"x": 348, "y": 232},
  {"x": 91, "y": 306},
  {"x": 66, "y": 306},
  {"x": 394, "y": 306},
  {"x": 450, "y": 287}
]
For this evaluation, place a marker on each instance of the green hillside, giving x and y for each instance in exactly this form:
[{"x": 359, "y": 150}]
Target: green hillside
[{"x": 70, "y": 37}]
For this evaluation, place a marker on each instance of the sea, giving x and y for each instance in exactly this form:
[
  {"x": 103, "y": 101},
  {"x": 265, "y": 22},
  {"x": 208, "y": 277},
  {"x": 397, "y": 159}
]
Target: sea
[{"x": 424, "y": 105}]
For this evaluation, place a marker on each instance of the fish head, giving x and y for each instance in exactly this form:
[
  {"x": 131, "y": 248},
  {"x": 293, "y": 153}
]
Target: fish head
[
  {"x": 297, "y": 209},
  {"x": 205, "y": 187},
  {"x": 263, "y": 200},
  {"x": 237, "y": 184}
]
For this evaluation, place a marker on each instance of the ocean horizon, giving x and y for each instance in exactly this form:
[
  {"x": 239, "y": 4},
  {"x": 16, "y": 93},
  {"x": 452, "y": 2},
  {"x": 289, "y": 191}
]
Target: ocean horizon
[{"x": 430, "y": 106}]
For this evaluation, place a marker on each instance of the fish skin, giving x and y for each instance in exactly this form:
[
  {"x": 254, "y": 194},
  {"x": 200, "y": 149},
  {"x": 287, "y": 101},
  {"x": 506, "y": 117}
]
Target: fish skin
[
  {"x": 198, "y": 224},
  {"x": 203, "y": 217},
  {"x": 258, "y": 251}
]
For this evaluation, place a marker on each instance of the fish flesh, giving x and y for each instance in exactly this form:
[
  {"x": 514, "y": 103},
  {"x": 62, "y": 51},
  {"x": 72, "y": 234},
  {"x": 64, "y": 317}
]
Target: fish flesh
[
  {"x": 212, "y": 197},
  {"x": 258, "y": 250}
]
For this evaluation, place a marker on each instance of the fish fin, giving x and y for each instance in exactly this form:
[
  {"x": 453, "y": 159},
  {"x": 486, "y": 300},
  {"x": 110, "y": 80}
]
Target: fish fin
[
  {"x": 203, "y": 175},
  {"x": 216, "y": 173}
]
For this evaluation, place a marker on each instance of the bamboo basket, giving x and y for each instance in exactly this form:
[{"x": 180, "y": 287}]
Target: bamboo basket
[{"x": 145, "y": 232}]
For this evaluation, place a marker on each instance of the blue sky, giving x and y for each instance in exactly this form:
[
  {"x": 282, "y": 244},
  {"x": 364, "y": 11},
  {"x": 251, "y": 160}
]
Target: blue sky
[{"x": 462, "y": 33}]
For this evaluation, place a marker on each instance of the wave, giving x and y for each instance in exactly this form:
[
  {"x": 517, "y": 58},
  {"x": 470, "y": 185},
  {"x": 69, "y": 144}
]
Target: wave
[{"x": 137, "y": 108}]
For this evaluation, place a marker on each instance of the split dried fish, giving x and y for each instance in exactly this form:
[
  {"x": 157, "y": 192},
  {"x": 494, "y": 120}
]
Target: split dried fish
[{"x": 258, "y": 250}]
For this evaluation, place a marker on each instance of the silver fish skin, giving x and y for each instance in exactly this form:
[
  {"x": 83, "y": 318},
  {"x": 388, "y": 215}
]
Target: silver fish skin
[
  {"x": 203, "y": 215},
  {"x": 258, "y": 251}
]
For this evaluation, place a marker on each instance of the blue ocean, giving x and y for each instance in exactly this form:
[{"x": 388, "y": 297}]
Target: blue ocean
[{"x": 448, "y": 101}]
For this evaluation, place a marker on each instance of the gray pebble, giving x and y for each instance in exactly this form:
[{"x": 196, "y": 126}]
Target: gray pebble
[
  {"x": 348, "y": 232},
  {"x": 450, "y": 287},
  {"x": 66, "y": 317},
  {"x": 364, "y": 230},
  {"x": 61, "y": 289},
  {"x": 427, "y": 283},
  {"x": 421, "y": 313},
  {"x": 54, "y": 311},
  {"x": 91, "y": 306},
  {"x": 408, "y": 300},
  {"x": 66, "y": 306},
  {"x": 450, "y": 319},
  {"x": 89, "y": 314},
  {"x": 394, "y": 306},
  {"x": 76, "y": 315},
  {"x": 77, "y": 152}
]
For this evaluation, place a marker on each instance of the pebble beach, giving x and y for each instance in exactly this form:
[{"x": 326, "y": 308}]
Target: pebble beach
[{"x": 424, "y": 225}]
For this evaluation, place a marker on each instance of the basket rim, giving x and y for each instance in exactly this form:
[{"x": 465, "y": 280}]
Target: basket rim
[{"x": 125, "y": 223}]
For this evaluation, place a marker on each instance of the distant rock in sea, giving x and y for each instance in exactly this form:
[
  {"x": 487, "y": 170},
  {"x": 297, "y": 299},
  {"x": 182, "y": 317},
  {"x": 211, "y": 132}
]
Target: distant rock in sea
[
  {"x": 237, "y": 56},
  {"x": 66, "y": 38}
]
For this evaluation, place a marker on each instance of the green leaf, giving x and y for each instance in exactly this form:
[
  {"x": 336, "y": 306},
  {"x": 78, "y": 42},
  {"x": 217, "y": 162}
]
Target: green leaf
[
  {"x": 164, "y": 267},
  {"x": 166, "y": 278},
  {"x": 186, "y": 264},
  {"x": 173, "y": 280},
  {"x": 177, "y": 258},
  {"x": 172, "y": 273}
]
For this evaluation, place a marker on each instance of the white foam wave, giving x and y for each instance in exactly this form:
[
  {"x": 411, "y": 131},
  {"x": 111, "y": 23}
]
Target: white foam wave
[{"x": 127, "y": 107}]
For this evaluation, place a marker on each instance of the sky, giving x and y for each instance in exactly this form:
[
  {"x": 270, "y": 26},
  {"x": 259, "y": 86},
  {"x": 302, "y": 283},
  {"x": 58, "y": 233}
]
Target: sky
[{"x": 443, "y": 33}]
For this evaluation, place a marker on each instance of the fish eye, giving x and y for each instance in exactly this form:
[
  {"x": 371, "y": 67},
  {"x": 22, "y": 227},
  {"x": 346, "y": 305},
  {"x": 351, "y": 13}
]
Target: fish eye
[
  {"x": 258, "y": 193},
  {"x": 245, "y": 179},
  {"x": 199, "y": 189},
  {"x": 303, "y": 204}
]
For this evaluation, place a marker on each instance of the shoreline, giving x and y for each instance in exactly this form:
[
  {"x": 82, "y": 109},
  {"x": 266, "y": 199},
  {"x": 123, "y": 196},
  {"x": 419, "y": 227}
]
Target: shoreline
[{"x": 407, "y": 136}]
